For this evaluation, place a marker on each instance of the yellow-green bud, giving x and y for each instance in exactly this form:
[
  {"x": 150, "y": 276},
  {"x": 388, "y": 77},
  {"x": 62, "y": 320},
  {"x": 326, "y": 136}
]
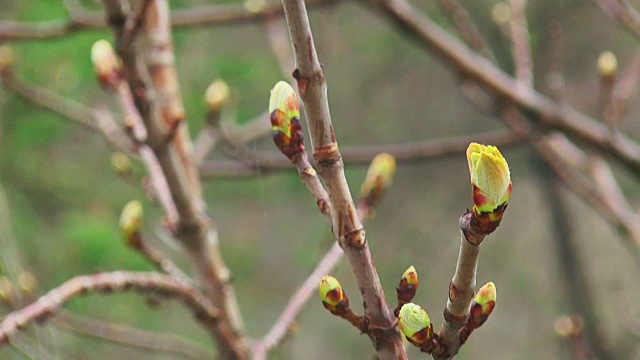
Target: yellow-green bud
[
  {"x": 254, "y": 6},
  {"x": 379, "y": 178},
  {"x": 490, "y": 174},
  {"x": 105, "y": 61},
  {"x": 217, "y": 95},
  {"x": 415, "y": 324},
  {"x": 410, "y": 276},
  {"x": 483, "y": 304},
  {"x": 607, "y": 64},
  {"x": 486, "y": 297},
  {"x": 285, "y": 119},
  {"x": 331, "y": 293},
  {"x": 131, "y": 221},
  {"x": 501, "y": 13},
  {"x": 7, "y": 58},
  {"x": 27, "y": 282},
  {"x": 120, "y": 162}
]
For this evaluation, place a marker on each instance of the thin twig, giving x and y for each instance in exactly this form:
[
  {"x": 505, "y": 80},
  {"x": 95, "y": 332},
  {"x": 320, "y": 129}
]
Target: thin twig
[
  {"x": 264, "y": 162},
  {"x": 210, "y": 15},
  {"x": 129, "y": 336},
  {"x": 297, "y": 301},
  {"x": 521, "y": 45},
  {"x": 571, "y": 269},
  {"x": 624, "y": 13},
  {"x": 346, "y": 224},
  {"x": 93, "y": 119},
  {"x": 118, "y": 281}
]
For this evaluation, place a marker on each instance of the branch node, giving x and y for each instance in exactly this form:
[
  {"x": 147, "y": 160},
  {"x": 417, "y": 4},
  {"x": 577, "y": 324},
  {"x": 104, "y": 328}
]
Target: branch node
[{"x": 355, "y": 238}]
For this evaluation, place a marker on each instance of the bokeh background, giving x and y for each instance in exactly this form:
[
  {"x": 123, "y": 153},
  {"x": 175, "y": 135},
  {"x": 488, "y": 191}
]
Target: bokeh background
[{"x": 61, "y": 200}]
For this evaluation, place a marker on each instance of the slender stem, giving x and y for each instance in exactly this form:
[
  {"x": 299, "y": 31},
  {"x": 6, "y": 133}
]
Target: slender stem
[
  {"x": 346, "y": 223},
  {"x": 296, "y": 303},
  {"x": 128, "y": 336},
  {"x": 266, "y": 162},
  {"x": 461, "y": 290},
  {"x": 571, "y": 268},
  {"x": 119, "y": 281}
]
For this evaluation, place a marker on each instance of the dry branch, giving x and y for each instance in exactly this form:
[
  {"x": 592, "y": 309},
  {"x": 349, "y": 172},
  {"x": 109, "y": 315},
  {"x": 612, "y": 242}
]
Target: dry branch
[{"x": 119, "y": 281}]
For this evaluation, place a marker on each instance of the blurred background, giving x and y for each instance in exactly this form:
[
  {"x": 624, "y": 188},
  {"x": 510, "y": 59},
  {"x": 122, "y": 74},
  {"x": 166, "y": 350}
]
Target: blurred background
[{"x": 60, "y": 198}]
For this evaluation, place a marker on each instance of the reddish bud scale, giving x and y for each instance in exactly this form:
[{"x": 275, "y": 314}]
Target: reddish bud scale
[
  {"x": 488, "y": 222},
  {"x": 422, "y": 337},
  {"x": 477, "y": 317},
  {"x": 292, "y": 144}
]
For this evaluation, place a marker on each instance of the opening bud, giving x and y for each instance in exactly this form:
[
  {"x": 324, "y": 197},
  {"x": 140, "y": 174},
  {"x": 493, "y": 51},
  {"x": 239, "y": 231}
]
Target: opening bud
[
  {"x": 285, "y": 119},
  {"x": 131, "y": 222},
  {"x": 490, "y": 183},
  {"x": 415, "y": 324},
  {"x": 332, "y": 296},
  {"x": 217, "y": 95}
]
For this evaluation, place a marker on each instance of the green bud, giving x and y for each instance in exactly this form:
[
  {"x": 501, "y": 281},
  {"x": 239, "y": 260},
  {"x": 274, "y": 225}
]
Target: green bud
[
  {"x": 217, "y": 95},
  {"x": 285, "y": 119},
  {"x": 131, "y": 222},
  {"x": 415, "y": 324},
  {"x": 331, "y": 294}
]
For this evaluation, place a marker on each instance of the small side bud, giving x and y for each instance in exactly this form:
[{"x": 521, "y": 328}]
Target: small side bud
[
  {"x": 607, "y": 64},
  {"x": 415, "y": 324},
  {"x": 7, "y": 58},
  {"x": 408, "y": 285},
  {"x": 285, "y": 120},
  {"x": 490, "y": 183},
  {"x": 254, "y": 6},
  {"x": 105, "y": 62},
  {"x": 483, "y": 304},
  {"x": 131, "y": 222},
  {"x": 27, "y": 282},
  {"x": 120, "y": 163},
  {"x": 333, "y": 297},
  {"x": 217, "y": 95},
  {"x": 379, "y": 178}
]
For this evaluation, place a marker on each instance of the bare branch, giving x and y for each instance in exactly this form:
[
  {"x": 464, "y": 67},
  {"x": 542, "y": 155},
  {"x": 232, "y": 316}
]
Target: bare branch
[
  {"x": 113, "y": 282},
  {"x": 252, "y": 162},
  {"x": 128, "y": 336},
  {"x": 521, "y": 45},
  {"x": 93, "y": 119}
]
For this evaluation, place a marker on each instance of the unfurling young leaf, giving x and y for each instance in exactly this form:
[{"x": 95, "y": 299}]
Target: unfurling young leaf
[{"x": 490, "y": 183}]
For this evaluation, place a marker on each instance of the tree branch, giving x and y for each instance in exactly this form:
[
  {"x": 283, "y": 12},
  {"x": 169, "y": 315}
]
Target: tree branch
[
  {"x": 346, "y": 224},
  {"x": 119, "y": 281},
  {"x": 128, "y": 336},
  {"x": 548, "y": 113}
]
